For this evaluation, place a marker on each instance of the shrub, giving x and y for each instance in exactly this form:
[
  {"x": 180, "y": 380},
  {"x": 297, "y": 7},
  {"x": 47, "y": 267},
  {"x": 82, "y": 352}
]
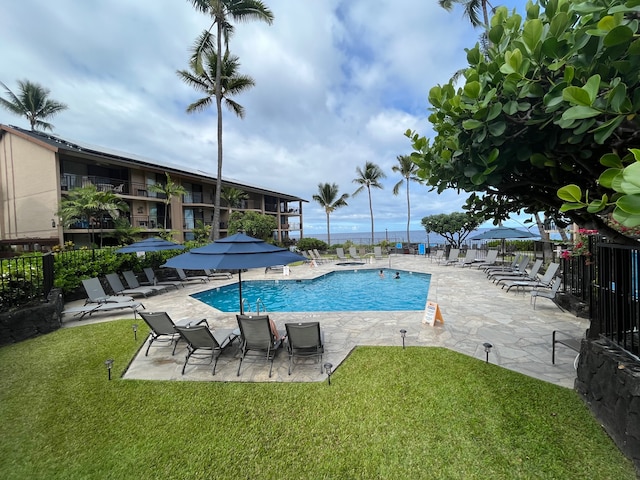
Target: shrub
[{"x": 311, "y": 243}]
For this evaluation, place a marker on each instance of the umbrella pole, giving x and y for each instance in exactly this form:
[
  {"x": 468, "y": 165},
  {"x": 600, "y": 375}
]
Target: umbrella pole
[{"x": 240, "y": 290}]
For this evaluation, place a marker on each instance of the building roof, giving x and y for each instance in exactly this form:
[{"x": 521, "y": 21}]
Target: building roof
[{"x": 74, "y": 147}]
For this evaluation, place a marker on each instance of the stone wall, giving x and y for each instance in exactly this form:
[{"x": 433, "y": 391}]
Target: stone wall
[
  {"x": 32, "y": 320},
  {"x": 609, "y": 381}
]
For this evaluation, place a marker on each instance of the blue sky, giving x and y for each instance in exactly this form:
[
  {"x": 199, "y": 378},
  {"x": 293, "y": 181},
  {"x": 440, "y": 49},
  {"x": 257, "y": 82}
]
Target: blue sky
[{"x": 337, "y": 84}]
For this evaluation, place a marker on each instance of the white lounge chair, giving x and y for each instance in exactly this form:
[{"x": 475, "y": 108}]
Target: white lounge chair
[
  {"x": 377, "y": 253},
  {"x": 340, "y": 254},
  {"x": 354, "y": 253}
]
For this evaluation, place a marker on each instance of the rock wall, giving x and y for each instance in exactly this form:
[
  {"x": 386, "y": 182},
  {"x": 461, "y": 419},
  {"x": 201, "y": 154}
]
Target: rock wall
[
  {"x": 32, "y": 320},
  {"x": 609, "y": 381}
]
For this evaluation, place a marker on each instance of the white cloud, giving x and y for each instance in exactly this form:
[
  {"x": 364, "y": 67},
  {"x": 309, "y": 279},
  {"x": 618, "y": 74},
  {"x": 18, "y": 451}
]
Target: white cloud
[{"x": 337, "y": 84}]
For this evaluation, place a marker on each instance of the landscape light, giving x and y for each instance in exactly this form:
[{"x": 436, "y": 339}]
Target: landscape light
[
  {"x": 327, "y": 367},
  {"x": 135, "y": 331},
  {"x": 403, "y": 333},
  {"x": 109, "y": 364},
  {"x": 487, "y": 348}
]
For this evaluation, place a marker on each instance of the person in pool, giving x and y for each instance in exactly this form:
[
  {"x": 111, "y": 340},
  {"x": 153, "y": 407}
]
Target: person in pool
[
  {"x": 381, "y": 274},
  {"x": 397, "y": 277}
]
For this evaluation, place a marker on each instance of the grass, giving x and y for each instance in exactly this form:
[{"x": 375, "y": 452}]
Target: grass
[{"x": 389, "y": 413}]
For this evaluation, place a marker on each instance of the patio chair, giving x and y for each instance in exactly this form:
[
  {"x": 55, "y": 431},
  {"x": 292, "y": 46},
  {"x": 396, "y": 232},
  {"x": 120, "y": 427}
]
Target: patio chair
[
  {"x": 490, "y": 260},
  {"x": 304, "y": 340},
  {"x": 519, "y": 268},
  {"x": 319, "y": 258},
  {"x": 96, "y": 294},
  {"x": 505, "y": 268},
  {"x": 574, "y": 343},
  {"x": 340, "y": 254},
  {"x": 163, "y": 328},
  {"x": 256, "y": 334},
  {"x": 521, "y": 273},
  {"x": 469, "y": 258},
  {"x": 132, "y": 282},
  {"x": 453, "y": 256},
  {"x": 91, "y": 308},
  {"x": 437, "y": 256},
  {"x": 191, "y": 278},
  {"x": 544, "y": 281},
  {"x": 314, "y": 257},
  {"x": 353, "y": 253},
  {"x": 118, "y": 288},
  {"x": 377, "y": 253},
  {"x": 203, "y": 344},
  {"x": 153, "y": 280},
  {"x": 214, "y": 274},
  {"x": 549, "y": 293}
]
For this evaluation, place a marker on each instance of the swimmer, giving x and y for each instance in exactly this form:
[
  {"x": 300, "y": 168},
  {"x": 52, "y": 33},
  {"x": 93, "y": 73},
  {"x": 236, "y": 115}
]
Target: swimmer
[
  {"x": 381, "y": 273},
  {"x": 397, "y": 277}
]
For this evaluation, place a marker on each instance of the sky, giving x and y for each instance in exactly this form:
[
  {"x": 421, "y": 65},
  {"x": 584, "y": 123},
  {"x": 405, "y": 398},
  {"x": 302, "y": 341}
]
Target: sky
[{"x": 337, "y": 83}]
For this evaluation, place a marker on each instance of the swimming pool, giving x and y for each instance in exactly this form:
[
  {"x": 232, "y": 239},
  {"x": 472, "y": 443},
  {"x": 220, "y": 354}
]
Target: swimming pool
[{"x": 344, "y": 291}]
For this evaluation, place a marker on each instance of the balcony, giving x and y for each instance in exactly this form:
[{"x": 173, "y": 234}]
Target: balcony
[{"x": 69, "y": 181}]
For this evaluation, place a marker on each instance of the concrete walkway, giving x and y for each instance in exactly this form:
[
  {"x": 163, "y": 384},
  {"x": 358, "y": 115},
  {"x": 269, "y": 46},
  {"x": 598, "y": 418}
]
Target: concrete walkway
[{"x": 474, "y": 310}]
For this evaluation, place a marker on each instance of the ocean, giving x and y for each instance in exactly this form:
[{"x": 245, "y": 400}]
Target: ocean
[{"x": 393, "y": 236}]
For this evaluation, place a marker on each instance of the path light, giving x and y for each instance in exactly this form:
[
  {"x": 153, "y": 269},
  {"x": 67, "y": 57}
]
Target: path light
[
  {"x": 487, "y": 348},
  {"x": 135, "y": 331},
  {"x": 109, "y": 364},
  {"x": 327, "y": 367},
  {"x": 403, "y": 333}
]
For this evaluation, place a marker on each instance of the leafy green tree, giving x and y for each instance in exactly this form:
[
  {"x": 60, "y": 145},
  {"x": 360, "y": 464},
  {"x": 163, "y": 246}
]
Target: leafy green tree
[
  {"x": 201, "y": 232},
  {"x": 547, "y": 104},
  {"x": 454, "y": 227},
  {"x": 233, "y": 197},
  {"x": 33, "y": 103},
  {"x": 124, "y": 232},
  {"x": 89, "y": 205},
  {"x": 168, "y": 190},
  {"x": 254, "y": 224},
  {"x": 329, "y": 198},
  {"x": 222, "y": 13},
  {"x": 408, "y": 170},
  {"x": 368, "y": 177}
]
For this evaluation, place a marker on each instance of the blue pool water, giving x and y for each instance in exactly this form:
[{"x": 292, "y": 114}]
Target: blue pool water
[{"x": 357, "y": 290}]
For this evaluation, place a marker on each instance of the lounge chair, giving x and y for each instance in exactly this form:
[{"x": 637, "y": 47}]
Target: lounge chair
[
  {"x": 96, "y": 294},
  {"x": 191, "y": 278},
  {"x": 256, "y": 334},
  {"x": 132, "y": 282},
  {"x": 340, "y": 254},
  {"x": 453, "y": 256},
  {"x": 317, "y": 256},
  {"x": 354, "y": 254},
  {"x": 469, "y": 258},
  {"x": 202, "y": 343},
  {"x": 574, "y": 343},
  {"x": 520, "y": 268},
  {"x": 118, "y": 288},
  {"x": 437, "y": 256},
  {"x": 212, "y": 274},
  {"x": 153, "y": 280},
  {"x": 549, "y": 293},
  {"x": 521, "y": 274},
  {"x": 163, "y": 328},
  {"x": 304, "y": 340},
  {"x": 505, "y": 268},
  {"x": 544, "y": 281},
  {"x": 490, "y": 260},
  {"x": 377, "y": 253},
  {"x": 91, "y": 308}
]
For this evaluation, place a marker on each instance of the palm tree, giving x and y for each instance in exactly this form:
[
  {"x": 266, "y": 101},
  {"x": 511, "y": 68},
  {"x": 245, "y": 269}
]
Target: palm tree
[
  {"x": 87, "y": 204},
  {"x": 32, "y": 102},
  {"x": 369, "y": 177},
  {"x": 169, "y": 190},
  {"x": 328, "y": 199},
  {"x": 222, "y": 12},
  {"x": 233, "y": 197},
  {"x": 408, "y": 170},
  {"x": 472, "y": 10}
]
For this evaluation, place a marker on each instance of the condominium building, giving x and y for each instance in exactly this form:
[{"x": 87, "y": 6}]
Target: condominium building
[{"x": 38, "y": 169}]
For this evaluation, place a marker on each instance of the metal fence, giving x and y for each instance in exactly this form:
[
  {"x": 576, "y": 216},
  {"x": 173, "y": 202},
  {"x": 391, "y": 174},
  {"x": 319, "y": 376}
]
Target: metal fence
[{"x": 24, "y": 279}]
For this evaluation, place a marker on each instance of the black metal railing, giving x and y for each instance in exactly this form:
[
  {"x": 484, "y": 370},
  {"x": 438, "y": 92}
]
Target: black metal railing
[{"x": 24, "y": 279}]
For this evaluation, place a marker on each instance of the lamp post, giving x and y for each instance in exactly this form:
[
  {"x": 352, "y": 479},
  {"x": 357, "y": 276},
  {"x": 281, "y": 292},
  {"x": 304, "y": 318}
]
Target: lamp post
[
  {"x": 109, "y": 364},
  {"x": 487, "y": 348},
  {"x": 403, "y": 334},
  {"x": 135, "y": 331},
  {"x": 327, "y": 368}
]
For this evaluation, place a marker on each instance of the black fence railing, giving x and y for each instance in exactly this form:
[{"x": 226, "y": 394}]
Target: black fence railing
[{"x": 24, "y": 279}]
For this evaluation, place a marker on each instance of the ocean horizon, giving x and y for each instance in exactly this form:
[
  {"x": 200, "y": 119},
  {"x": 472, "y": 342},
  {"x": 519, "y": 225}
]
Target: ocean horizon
[{"x": 393, "y": 236}]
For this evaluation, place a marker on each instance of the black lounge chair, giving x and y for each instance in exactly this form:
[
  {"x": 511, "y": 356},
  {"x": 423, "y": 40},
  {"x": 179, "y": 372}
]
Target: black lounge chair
[
  {"x": 132, "y": 282},
  {"x": 91, "y": 308},
  {"x": 163, "y": 328},
  {"x": 153, "y": 280},
  {"x": 191, "y": 278},
  {"x": 118, "y": 288},
  {"x": 96, "y": 294},
  {"x": 256, "y": 334},
  {"x": 304, "y": 340},
  {"x": 202, "y": 343}
]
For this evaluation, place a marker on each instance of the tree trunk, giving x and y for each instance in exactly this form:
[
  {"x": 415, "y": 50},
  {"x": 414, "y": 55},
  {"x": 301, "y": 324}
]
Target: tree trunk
[
  {"x": 408, "y": 214},
  {"x": 328, "y": 231},
  {"x": 215, "y": 230},
  {"x": 371, "y": 213}
]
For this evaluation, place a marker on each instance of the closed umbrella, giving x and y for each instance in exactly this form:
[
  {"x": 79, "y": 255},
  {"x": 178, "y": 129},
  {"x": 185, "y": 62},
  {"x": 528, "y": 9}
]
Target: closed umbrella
[
  {"x": 155, "y": 244},
  {"x": 236, "y": 252}
]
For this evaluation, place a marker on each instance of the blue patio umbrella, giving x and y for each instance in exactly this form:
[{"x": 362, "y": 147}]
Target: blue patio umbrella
[
  {"x": 154, "y": 244},
  {"x": 503, "y": 233},
  {"x": 236, "y": 252}
]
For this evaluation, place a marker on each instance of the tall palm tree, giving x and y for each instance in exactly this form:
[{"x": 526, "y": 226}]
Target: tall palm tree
[
  {"x": 408, "y": 170},
  {"x": 472, "y": 10},
  {"x": 233, "y": 197},
  {"x": 328, "y": 199},
  {"x": 369, "y": 177},
  {"x": 222, "y": 12},
  {"x": 170, "y": 189},
  {"x": 32, "y": 103},
  {"x": 88, "y": 204}
]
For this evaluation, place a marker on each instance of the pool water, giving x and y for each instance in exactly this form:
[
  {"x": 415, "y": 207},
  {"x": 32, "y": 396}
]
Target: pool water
[{"x": 345, "y": 291}]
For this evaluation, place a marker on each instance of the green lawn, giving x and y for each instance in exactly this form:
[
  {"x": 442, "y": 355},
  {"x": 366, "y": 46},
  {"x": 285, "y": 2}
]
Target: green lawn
[{"x": 389, "y": 413}]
